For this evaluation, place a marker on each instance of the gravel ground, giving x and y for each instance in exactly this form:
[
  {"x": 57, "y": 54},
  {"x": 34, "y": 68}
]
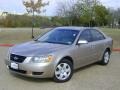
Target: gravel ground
[{"x": 92, "y": 77}]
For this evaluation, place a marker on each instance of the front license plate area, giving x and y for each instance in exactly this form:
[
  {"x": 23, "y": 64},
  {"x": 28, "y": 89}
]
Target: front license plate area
[{"x": 14, "y": 65}]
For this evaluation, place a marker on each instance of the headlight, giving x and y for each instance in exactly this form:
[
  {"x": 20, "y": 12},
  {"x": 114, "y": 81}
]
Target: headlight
[{"x": 42, "y": 59}]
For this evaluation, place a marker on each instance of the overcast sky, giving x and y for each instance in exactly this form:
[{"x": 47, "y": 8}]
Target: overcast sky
[{"x": 17, "y": 6}]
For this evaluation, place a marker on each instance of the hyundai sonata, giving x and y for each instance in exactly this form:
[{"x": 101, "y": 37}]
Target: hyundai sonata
[{"x": 58, "y": 52}]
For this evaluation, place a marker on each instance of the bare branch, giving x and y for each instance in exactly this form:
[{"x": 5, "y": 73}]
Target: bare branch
[{"x": 31, "y": 6}]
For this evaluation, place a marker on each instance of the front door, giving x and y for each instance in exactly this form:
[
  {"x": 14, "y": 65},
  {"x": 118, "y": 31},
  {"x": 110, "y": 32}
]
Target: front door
[{"x": 84, "y": 52}]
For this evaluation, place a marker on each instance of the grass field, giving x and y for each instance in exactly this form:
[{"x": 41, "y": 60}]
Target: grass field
[{"x": 19, "y": 35}]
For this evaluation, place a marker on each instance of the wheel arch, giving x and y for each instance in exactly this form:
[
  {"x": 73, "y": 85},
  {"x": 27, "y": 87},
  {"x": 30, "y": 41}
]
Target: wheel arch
[
  {"x": 68, "y": 58},
  {"x": 108, "y": 49}
]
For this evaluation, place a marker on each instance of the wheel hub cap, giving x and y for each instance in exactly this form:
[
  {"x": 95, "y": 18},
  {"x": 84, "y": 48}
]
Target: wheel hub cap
[
  {"x": 62, "y": 71},
  {"x": 106, "y": 57}
]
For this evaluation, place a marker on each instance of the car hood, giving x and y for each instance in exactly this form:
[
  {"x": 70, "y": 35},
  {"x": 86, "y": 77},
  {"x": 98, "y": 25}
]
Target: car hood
[{"x": 34, "y": 48}]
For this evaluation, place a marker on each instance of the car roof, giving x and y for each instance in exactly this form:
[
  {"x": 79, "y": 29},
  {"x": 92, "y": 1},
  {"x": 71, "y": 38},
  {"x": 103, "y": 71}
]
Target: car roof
[{"x": 75, "y": 28}]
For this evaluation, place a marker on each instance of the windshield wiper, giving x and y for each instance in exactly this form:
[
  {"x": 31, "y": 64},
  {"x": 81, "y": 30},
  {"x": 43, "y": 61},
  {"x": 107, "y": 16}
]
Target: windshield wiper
[
  {"x": 53, "y": 42},
  {"x": 57, "y": 42}
]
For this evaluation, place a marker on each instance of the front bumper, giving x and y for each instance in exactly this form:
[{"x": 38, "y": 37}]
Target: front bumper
[{"x": 36, "y": 70}]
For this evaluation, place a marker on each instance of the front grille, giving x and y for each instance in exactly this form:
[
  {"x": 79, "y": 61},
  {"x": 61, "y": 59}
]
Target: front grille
[
  {"x": 19, "y": 71},
  {"x": 17, "y": 58}
]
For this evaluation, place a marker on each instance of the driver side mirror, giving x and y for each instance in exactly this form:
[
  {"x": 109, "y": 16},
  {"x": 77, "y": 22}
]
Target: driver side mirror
[{"x": 82, "y": 42}]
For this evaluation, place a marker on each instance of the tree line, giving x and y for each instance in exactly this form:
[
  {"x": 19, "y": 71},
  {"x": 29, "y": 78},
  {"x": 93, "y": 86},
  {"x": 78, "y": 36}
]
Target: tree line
[
  {"x": 12, "y": 20},
  {"x": 88, "y": 13}
]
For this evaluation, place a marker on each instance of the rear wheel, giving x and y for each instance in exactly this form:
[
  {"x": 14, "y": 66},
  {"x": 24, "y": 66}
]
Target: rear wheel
[
  {"x": 63, "y": 71},
  {"x": 106, "y": 58}
]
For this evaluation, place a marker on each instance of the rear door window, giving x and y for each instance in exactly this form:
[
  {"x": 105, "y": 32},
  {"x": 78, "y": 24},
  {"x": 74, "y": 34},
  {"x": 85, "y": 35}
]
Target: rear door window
[{"x": 96, "y": 35}]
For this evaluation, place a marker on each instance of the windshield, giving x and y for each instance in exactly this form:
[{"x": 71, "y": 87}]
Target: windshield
[{"x": 59, "y": 36}]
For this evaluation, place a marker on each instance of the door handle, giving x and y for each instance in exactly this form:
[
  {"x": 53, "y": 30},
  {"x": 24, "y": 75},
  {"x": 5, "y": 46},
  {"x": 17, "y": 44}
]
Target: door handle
[{"x": 92, "y": 46}]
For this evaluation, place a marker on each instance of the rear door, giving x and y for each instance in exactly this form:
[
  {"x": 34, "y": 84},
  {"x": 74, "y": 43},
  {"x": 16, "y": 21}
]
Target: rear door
[{"x": 97, "y": 44}]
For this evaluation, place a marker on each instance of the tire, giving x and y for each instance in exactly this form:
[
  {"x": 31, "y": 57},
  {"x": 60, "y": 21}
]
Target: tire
[
  {"x": 63, "y": 71},
  {"x": 106, "y": 58}
]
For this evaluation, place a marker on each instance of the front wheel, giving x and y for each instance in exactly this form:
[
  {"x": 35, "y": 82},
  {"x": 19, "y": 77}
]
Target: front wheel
[
  {"x": 63, "y": 71},
  {"x": 106, "y": 58}
]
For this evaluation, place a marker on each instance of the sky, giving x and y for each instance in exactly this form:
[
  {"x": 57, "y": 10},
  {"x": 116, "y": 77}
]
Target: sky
[{"x": 16, "y": 6}]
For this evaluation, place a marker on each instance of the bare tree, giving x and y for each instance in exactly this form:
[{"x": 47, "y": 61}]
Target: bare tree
[
  {"x": 76, "y": 8},
  {"x": 33, "y": 6},
  {"x": 115, "y": 17},
  {"x": 66, "y": 9},
  {"x": 88, "y": 8}
]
